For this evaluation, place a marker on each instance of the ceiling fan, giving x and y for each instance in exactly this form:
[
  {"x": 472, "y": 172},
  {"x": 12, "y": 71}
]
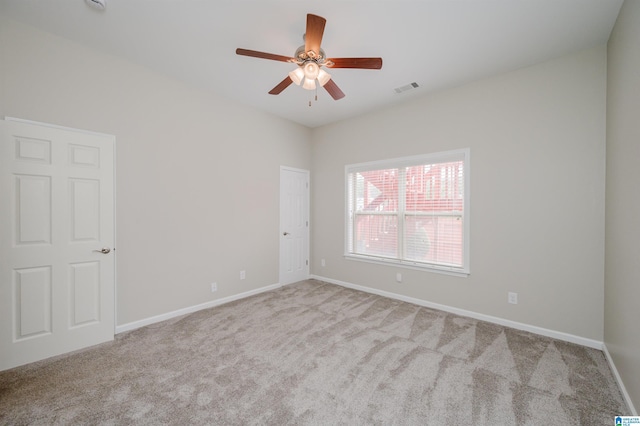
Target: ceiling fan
[{"x": 310, "y": 59}]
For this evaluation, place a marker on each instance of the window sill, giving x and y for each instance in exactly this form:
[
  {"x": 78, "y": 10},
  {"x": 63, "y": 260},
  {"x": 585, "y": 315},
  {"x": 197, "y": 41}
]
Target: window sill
[{"x": 457, "y": 272}]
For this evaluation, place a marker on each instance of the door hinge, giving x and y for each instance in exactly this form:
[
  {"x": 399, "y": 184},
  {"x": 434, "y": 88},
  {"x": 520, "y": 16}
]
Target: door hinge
[
  {"x": 307, "y": 222},
  {"x": 307, "y": 262},
  {"x": 307, "y": 185}
]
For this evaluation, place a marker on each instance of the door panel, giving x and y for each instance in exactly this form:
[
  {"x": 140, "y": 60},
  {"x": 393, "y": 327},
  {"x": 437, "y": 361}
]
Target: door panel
[
  {"x": 294, "y": 225},
  {"x": 33, "y": 202},
  {"x": 57, "y": 212},
  {"x": 32, "y": 304},
  {"x": 84, "y": 202},
  {"x": 84, "y": 299}
]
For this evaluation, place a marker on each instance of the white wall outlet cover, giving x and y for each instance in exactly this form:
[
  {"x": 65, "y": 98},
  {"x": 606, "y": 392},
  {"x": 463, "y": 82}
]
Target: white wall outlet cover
[{"x": 399, "y": 277}]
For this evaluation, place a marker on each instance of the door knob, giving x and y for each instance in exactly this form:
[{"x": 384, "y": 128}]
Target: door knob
[
  {"x": 104, "y": 250},
  {"x": 285, "y": 233}
]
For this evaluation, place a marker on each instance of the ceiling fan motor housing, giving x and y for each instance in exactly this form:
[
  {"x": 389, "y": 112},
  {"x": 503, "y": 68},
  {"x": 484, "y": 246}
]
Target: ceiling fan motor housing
[{"x": 303, "y": 56}]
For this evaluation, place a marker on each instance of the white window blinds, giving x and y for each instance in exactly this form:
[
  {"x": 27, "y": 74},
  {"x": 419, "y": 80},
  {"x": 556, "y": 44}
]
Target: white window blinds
[{"x": 410, "y": 211}]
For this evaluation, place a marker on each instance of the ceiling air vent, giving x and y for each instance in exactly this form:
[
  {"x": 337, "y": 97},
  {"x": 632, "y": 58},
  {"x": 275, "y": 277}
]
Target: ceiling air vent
[{"x": 410, "y": 86}]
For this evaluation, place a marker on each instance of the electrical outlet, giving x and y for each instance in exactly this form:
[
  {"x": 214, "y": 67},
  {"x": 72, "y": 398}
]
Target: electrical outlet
[
  {"x": 512, "y": 298},
  {"x": 243, "y": 275},
  {"x": 323, "y": 263},
  {"x": 399, "y": 277},
  {"x": 214, "y": 287}
]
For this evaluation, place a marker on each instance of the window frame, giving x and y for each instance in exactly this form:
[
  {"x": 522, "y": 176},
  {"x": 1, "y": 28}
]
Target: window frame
[{"x": 399, "y": 163}]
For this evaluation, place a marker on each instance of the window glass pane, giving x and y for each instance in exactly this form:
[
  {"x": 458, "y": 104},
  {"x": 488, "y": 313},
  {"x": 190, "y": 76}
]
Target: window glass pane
[
  {"x": 434, "y": 188},
  {"x": 377, "y": 191},
  {"x": 434, "y": 239},
  {"x": 376, "y": 235},
  {"x": 433, "y": 222},
  {"x": 417, "y": 238}
]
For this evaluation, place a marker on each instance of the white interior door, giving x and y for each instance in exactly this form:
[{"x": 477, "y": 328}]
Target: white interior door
[
  {"x": 294, "y": 225},
  {"x": 57, "y": 270}
]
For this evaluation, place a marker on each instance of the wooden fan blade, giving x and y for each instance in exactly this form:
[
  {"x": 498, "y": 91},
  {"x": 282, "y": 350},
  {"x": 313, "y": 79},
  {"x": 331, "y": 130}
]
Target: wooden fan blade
[
  {"x": 313, "y": 36},
  {"x": 364, "y": 63},
  {"x": 262, "y": 55},
  {"x": 333, "y": 90},
  {"x": 281, "y": 86}
]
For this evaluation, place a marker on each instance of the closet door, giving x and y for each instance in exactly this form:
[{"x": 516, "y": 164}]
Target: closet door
[{"x": 57, "y": 274}]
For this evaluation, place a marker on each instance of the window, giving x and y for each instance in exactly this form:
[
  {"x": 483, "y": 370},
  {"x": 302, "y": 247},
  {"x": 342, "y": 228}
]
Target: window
[{"x": 410, "y": 211}]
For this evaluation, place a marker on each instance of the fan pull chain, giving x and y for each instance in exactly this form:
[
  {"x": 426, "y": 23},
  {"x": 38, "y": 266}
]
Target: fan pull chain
[{"x": 316, "y": 96}]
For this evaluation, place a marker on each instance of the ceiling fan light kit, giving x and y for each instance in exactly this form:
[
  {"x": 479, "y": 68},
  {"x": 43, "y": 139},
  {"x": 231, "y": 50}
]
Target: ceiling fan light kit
[
  {"x": 310, "y": 59},
  {"x": 297, "y": 76},
  {"x": 323, "y": 77},
  {"x": 309, "y": 84},
  {"x": 311, "y": 70}
]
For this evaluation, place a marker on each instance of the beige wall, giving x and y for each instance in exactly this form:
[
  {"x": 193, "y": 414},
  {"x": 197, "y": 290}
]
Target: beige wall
[
  {"x": 182, "y": 220},
  {"x": 622, "y": 264},
  {"x": 537, "y": 139}
]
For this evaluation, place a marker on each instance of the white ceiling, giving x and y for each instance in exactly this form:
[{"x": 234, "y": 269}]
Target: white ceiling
[{"x": 436, "y": 43}]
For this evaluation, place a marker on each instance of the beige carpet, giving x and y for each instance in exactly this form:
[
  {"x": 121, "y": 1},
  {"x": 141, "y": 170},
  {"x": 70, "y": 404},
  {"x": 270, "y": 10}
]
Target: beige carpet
[{"x": 316, "y": 353}]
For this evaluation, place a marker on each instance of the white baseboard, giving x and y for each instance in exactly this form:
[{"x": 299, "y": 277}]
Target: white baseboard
[
  {"x": 163, "y": 317},
  {"x": 625, "y": 394},
  {"x": 496, "y": 320}
]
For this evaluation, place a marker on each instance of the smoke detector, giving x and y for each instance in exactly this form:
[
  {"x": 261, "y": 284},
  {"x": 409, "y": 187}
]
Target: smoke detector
[{"x": 97, "y": 4}]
